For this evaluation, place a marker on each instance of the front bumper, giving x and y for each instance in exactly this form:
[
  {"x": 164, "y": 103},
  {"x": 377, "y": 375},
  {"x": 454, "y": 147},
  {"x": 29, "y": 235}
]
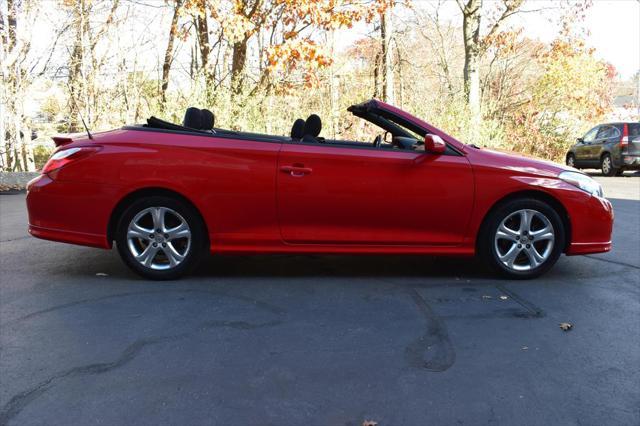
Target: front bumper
[{"x": 591, "y": 226}]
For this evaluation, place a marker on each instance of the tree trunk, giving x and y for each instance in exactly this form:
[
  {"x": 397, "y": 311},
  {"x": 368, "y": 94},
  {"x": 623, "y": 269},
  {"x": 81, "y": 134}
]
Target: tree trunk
[
  {"x": 333, "y": 88},
  {"x": 168, "y": 54},
  {"x": 471, "y": 31},
  {"x": 386, "y": 29},
  {"x": 10, "y": 85},
  {"x": 238, "y": 61},
  {"x": 76, "y": 62},
  {"x": 202, "y": 28}
]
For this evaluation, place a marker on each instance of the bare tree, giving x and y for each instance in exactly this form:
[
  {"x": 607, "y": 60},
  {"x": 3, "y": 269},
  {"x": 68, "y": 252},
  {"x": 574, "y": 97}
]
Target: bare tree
[
  {"x": 168, "y": 55},
  {"x": 16, "y": 152},
  {"x": 386, "y": 29},
  {"x": 472, "y": 12}
]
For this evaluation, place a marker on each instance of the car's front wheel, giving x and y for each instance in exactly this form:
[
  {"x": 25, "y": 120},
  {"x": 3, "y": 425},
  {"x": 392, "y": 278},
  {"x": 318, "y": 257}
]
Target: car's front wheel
[
  {"x": 522, "y": 238},
  {"x": 160, "y": 238}
]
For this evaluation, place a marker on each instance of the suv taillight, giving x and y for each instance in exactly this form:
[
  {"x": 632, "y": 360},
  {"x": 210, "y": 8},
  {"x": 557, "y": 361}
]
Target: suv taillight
[
  {"x": 68, "y": 155},
  {"x": 624, "y": 140}
]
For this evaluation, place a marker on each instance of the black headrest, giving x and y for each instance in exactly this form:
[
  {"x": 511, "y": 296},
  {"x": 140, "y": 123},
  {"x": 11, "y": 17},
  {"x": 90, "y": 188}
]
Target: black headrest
[
  {"x": 193, "y": 118},
  {"x": 297, "y": 130},
  {"x": 313, "y": 125},
  {"x": 207, "y": 119}
]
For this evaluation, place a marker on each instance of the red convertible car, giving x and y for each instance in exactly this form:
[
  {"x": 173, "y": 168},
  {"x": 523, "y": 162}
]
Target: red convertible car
[{"x": 165, "y": 193}]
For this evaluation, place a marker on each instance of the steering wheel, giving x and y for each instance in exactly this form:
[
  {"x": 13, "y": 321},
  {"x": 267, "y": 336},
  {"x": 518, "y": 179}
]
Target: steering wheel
[{"x": 377, "y": 142}]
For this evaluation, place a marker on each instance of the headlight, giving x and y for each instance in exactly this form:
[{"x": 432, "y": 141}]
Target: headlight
[{"x": 583, "y": 182}]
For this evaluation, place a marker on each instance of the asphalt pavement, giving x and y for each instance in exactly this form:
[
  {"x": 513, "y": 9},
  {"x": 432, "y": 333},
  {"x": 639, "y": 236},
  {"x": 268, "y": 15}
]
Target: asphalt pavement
[{"x": 318, "y": 340}]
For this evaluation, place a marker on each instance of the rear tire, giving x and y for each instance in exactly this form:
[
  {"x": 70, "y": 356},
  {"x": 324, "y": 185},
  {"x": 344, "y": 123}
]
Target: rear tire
[
  {"x": 522, "y": 238},
  {"x": 160, "y": 238},
  {"x": 606, "y": 165},
  {"x": 571, "y": 160}
]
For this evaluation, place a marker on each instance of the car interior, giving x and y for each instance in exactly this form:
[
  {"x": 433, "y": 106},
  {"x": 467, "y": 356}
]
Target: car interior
[{"x": 392, "y": 135}]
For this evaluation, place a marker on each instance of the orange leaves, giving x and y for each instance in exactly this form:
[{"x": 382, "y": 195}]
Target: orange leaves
[
  {"x": 505, "y": 42},
  {"x": 290, "y": 55},
  {"x": 297, "y": 60}
]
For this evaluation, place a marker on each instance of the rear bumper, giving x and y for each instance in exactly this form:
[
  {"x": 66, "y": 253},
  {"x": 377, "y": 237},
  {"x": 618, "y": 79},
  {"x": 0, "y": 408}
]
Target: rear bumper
[
  {"x": 71, "y": 237},
  {"x": 630, "y": 162},
  {"x": 69, "y": 212}
]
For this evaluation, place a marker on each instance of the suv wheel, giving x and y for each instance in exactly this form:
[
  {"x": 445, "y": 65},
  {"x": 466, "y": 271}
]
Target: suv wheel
[
  {"x": 160, "y": 238},
  {"x": 606, "y": 165},
  {"x": 571, "y": 160},
  {"x": 522, "y": 238}
]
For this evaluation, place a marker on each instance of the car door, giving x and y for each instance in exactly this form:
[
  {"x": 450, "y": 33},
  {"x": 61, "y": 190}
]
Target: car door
[
  {"x": 351, "y": 195},
  {"x": 582, "y": 148},
  {"x": 599, "y": 145}
]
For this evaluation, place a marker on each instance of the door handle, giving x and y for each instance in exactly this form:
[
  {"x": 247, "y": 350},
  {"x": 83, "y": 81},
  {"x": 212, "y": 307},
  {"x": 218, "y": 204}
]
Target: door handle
[{"x": 296, "y": 170}]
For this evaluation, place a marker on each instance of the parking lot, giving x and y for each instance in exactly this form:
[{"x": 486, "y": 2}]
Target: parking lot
[{"x": 318, "y": 340}]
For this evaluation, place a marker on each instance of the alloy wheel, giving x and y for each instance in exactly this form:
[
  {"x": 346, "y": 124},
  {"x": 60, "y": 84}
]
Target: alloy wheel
[
  {"x": 606, "y": 165},
  {"x": 570, "y": 161},
  {"x": 524, "y": 240},
  {"x": 159, "y": 238}
]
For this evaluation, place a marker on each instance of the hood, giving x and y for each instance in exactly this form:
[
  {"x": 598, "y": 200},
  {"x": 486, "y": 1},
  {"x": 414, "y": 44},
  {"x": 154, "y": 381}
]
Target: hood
[{"x": 516, "y": 162}]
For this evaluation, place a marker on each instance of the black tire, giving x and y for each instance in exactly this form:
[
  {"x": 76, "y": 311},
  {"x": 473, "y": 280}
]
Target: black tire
[
  {"x": 193, "y": 250},
  {"x": 606, "y": 166},
  {"x": 571, "y": 161},
  {"x": 488, "y": 245},
  {"x": 620, "y": 172}
]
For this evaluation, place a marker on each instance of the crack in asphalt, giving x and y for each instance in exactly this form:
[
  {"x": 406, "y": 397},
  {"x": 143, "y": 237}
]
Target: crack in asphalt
[
  {"x": 533, "y": 311},
  {"x": 16, "y": 239},
  {"x": 435, "y": 340},
  {"x": 263, "y": 305},
  {"x": 19, "y": 401},
  {"x": 615, "y": 262}
]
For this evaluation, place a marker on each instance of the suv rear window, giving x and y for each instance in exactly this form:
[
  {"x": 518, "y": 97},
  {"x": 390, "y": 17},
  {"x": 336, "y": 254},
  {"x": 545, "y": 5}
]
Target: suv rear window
[{"x": 634, "y": 129}]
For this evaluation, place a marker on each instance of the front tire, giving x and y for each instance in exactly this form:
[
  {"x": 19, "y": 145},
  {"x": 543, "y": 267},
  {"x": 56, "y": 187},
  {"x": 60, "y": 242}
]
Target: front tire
[
  {"x": 606, "y": 165},
  {"x": 522, "y": 238},
  {"x": 160, "y": 238}
]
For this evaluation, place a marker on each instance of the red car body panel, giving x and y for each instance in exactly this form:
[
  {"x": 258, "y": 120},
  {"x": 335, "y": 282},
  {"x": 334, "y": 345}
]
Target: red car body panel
[{"x": 283, "y": 197}]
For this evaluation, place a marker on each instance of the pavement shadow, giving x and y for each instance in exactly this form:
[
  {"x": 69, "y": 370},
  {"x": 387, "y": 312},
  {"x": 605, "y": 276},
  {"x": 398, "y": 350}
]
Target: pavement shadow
[{"x": 341, "y": 266}]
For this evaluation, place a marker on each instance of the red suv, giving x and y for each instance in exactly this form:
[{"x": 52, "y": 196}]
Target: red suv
[{"x": 612, "y": 147}]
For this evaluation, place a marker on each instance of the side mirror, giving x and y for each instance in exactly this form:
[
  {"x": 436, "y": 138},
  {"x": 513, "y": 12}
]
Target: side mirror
[
  {"x": 434, "y": 144},
  {"x": 580, "y": 140}
]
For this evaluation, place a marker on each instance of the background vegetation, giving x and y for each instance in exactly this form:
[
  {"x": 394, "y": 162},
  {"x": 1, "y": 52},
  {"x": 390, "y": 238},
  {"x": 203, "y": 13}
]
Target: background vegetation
[{"x": 260, "y": 64}]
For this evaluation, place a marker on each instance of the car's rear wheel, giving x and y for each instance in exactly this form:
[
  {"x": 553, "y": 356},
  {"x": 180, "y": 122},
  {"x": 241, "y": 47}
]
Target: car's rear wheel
[
  {"x": 522, "y": 238},
  {"x": 606, "y": 165},
  {"x": 160, "y": 238},
  {"x": 571, "y": 160}
]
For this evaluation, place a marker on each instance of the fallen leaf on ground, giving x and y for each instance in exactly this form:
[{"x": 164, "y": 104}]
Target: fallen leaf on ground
[
  {"x": 369, "y": 423},
  {"x": 101, "y": 274},
  {"x": 565, "y": 326}
]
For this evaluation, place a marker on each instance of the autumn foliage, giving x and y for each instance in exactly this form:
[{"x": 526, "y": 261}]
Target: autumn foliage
[{"x": 260, "y": 64}]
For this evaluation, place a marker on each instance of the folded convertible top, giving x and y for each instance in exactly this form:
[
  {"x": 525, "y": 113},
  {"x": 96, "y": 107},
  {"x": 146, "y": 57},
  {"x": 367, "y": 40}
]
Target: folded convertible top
[{"x": 157, "y": 123}]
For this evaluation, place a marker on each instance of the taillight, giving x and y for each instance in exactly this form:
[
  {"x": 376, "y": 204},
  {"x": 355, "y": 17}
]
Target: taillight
[
  {"x": 66, "y": 156},
  {"x": 624, "y": 140}
]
